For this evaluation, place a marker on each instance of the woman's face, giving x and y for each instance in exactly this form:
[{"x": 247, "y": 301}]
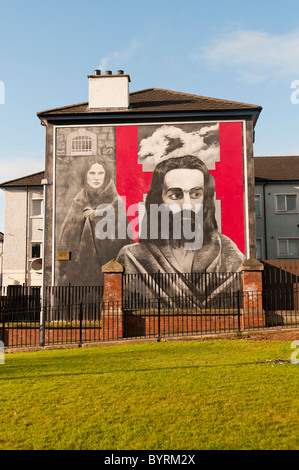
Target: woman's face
[{"x": 95, "y": 176}]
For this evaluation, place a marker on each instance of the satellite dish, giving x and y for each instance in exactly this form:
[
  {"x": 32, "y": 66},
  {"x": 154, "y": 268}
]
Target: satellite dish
[{"x": 37, "y": 264}]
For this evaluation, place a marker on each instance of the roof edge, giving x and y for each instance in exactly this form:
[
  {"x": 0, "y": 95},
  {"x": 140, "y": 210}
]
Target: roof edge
[
  {"x": 62, "y": 107},
  {"x": 16, "y": 180},
  {"x": 254, "y": 106},
  {"x": 85, "y": 103}
]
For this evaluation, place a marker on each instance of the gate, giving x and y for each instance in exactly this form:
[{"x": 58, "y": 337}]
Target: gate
[
  {"x": 281, "y": 291},
  {"x": 282, "y": 273}
]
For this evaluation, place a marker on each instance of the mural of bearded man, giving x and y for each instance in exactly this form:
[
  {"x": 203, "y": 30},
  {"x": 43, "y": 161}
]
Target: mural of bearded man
[{"x": 184, "y": 190}]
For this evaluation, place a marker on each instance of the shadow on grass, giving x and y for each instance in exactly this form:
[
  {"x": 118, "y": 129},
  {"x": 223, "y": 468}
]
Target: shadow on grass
[{"x": 143, "y": 370}]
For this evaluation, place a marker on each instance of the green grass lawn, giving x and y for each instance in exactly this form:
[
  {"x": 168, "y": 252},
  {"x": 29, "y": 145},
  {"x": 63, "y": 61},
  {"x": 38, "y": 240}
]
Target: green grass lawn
[{"x": 162, "y": 396}]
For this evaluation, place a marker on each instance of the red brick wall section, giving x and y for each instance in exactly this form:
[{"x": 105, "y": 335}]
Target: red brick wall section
[
  {"x": 30, "y": 336},
  {"x": 112, "y": 314},
  {"x": 129, "y": 326},
  {"x": 252, "y": 283},
  {"x": 142, "y": 325}
]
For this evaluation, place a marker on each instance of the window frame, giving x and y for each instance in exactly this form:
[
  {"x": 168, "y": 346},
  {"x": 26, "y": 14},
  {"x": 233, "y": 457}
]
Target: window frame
[
  {"x": 80, "y": 140},
  {"x": 260, "y": 239},
  {"x": 33, "y": 216},
  {"x": 81, "y": 133},
  {"x": 278, "y": 239},
  {"x": 31, "y": 258},
  {"x": 259, "y": 197},
  {"x": 278, "y": 211}
]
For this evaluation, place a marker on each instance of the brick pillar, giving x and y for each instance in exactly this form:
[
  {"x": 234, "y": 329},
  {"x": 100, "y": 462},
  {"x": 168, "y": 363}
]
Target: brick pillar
[
  {"x": 252, "y": 283},
  {"x": 112, "y": 314}
]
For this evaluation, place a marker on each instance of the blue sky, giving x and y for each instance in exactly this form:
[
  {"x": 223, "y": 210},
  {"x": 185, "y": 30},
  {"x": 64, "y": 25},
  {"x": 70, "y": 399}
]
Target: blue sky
[{"x": 241, "y": 51}]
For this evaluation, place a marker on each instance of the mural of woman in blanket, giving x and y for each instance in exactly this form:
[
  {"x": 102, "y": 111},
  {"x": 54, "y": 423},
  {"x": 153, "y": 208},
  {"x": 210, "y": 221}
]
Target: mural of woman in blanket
[{"x": 97, "y": 199}]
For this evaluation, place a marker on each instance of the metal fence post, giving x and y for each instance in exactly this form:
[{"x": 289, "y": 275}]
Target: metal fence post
[
  {"x": 80, "y": 323},
  {"x": 159, "y": 309},
  {"x": 42, "y": 322},
  {"x": 159, "y": 320},
  {"x": 3, "y": 325},
  {"x": 239, "y": 313}
]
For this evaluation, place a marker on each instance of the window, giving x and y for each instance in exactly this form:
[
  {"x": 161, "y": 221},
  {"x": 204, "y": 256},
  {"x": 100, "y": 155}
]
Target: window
[
  {"x": 82, "y": 144},
  {"x": 36, "y": 207},
  {"x": 36, "y": 250},
  {"x": 259, "y": 248},
  {"x": 257, "y": 201},
  {"x": 288, "y": 247},
  {"x": 286, "y": 203}
]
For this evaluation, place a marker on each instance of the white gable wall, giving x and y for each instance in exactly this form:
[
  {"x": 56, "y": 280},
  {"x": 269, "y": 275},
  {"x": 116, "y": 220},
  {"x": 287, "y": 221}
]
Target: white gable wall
[{"x": 20, "y": 230}]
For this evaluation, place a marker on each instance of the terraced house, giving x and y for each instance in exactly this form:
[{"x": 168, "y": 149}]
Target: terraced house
[
  {"x": 277, "y": 207},
  {"x": 113, "y": 149}
]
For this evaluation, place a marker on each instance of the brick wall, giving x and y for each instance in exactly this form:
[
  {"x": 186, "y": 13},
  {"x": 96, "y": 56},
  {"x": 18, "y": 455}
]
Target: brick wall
[
  {"x": 252, "y": 284},
  {"x": 29, "y": 336}
]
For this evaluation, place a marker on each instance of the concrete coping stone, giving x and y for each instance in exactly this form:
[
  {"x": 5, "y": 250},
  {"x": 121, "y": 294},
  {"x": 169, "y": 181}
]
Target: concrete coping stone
[
  {"x": 252, "y": 264},
  {"x": 112, "y": 267}
]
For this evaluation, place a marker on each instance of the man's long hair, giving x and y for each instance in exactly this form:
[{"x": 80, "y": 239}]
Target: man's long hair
[{"x": 155, "y": 192}]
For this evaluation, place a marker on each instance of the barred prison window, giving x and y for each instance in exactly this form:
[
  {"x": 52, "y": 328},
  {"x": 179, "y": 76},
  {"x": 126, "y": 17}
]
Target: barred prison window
[
  {"x": 81, "y": 142},
  {"x": 82, "y": 145}
]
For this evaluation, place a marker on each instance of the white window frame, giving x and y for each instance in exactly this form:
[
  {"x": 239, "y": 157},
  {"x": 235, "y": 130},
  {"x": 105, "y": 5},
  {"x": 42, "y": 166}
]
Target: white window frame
[
  {"x": 41, "y": 249},
  {"x": 81, "y": 134},
  {"x": 39, "y": 216},
  {"x": 262, "y": 247},
  {"x": 79, "y": 142},
  {"x": 277, "y": 247},
  {"x": 260, "y": 205},
  {"x": 277, "y": 211}
]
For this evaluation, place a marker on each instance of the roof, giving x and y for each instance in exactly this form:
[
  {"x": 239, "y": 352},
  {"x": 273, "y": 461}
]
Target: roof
[
  {"x": 284, "y": 168},
  {"x": 159, "y": 100},
  {"x": 30, "y": 180}
]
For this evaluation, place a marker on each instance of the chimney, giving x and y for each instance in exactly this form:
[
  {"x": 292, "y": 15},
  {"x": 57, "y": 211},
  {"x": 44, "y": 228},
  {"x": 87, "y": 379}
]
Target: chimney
[{"x": 108, "y": 91}]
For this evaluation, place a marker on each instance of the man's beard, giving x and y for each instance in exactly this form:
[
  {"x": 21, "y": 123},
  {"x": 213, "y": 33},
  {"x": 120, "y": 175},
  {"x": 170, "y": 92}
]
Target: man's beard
[
  {"x": 174, "y": 228},
  {"x": 184, "y": 230}
]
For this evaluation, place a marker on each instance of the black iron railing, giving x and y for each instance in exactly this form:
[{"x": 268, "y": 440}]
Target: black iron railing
[
  {"x": 201, "y": 289},
  {"x": 60, "y": 319}
]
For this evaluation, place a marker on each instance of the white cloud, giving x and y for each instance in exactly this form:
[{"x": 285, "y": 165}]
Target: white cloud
[
  {"x": 171, "y": 141},
  {"x": 119, "y": 58},
  {"x": 254, "y": 55}
]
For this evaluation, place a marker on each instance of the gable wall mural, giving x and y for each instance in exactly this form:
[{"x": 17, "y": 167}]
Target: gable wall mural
[{"x": 156, "y": 197}]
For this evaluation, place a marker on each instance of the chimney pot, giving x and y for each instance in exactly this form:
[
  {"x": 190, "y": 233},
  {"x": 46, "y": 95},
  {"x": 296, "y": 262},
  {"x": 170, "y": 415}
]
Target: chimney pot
[{"x": 108, "y": 94}]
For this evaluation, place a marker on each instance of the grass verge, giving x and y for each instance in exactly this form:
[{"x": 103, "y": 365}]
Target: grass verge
[{"x": 180, "y": 395}]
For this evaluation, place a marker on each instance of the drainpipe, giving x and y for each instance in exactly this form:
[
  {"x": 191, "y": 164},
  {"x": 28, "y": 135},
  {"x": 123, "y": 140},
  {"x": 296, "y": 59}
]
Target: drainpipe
[
  {"x": 45, "y": 183},
  {"x": 265, "y": 220},
  {"x": 27, "y": 238}
]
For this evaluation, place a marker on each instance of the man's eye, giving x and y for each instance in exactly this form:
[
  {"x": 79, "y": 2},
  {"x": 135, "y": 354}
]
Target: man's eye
[
  {"x": 175, "y": 196},
  {"x": 195, "y": 194}
]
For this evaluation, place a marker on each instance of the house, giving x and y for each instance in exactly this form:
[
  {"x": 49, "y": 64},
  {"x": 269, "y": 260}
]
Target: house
[
  {"x": 122, "y": 137},
  {"x": 277, "y": 207},
  {"x": 24, "y": 228}
]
